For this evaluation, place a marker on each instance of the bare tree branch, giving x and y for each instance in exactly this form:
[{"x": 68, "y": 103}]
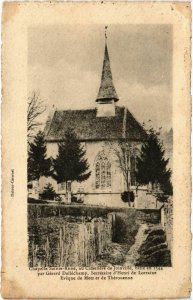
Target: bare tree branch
[
  {"x": 35, "y": 108},
  {"x": 122, "y": 152}
]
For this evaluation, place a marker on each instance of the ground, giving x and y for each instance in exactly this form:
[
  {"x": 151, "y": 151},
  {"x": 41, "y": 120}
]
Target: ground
[{"x": 149, "y": 249}]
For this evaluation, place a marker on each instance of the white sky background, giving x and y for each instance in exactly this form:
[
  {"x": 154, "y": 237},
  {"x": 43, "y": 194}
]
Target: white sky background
[{"x": 65, "y": 65}]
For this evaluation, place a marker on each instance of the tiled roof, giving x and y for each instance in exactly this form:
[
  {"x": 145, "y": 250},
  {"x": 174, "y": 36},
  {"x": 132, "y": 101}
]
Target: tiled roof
[
  {"x": 107, "y": 90},
  {"x": 88, "y": 126}
]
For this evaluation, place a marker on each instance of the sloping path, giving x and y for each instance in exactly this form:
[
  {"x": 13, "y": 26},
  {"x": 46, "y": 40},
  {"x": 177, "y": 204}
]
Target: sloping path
[{"x": 132, "y": 255}]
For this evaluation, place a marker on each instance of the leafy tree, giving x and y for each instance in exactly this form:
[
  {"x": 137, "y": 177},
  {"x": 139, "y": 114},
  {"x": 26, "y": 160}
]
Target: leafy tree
[
  {"x": 38, "y": 164},
  {"x": 70, "y": 163},
  {"x": 152, "y": 165}
]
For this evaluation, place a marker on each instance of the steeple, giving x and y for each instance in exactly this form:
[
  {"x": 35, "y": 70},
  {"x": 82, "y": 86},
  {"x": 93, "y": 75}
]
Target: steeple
[{"x": 107, "y": 90}]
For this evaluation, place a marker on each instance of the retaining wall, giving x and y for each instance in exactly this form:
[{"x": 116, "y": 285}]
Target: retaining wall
[
  {"x": 167, "y": 221},
  {"x": 90, "y": 212},
  {"x": 68, "y": 243},
  {"x": 62, "y": 235}
]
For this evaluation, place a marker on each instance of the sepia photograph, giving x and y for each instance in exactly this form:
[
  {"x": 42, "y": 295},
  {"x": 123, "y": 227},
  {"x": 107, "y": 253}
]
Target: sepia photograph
[
  {"x": 100, "y": 145},
  {"x": 96, "y": 127}
]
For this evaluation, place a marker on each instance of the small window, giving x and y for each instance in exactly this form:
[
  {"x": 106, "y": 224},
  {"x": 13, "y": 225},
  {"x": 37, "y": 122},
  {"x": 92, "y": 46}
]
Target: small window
[{"x": 62, "y": 186}]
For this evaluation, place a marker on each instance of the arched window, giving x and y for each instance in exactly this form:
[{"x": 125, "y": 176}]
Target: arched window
[
  {"x": 108, "y": 174},
  {"x": 97, "y": 171},
  {"x": 102, "y": 172}
]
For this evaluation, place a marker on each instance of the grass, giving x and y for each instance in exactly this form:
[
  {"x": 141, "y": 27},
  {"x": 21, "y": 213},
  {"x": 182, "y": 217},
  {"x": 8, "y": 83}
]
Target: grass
[{"x": 126, "y": 228}]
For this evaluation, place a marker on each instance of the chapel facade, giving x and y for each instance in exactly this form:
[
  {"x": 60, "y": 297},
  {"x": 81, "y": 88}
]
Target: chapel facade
[{"x": 99, "y": 130}]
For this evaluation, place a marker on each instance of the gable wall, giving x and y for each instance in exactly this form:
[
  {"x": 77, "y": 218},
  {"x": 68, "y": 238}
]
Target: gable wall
[{"x": 92, "y": 150}]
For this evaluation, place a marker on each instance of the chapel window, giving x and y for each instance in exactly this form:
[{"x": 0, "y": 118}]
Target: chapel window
[
  {"x": 102, "y": 172},
  {"x": 97, "y": 170}
]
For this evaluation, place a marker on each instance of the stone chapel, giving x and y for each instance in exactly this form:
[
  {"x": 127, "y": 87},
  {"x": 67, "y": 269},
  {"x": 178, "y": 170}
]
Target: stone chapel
[{"x": 98, "y": 129}]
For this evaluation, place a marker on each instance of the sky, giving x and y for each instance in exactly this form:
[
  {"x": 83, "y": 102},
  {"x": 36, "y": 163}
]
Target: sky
[{"x": 65, "y": 65}]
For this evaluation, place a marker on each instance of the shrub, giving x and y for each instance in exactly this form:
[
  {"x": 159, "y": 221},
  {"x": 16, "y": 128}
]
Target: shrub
[
  {"x": 48, "y": 192},
  {"x": 128, "y": 196},
  {"x": 126, "y": 228},
  {"x": 35, "y": 201}
]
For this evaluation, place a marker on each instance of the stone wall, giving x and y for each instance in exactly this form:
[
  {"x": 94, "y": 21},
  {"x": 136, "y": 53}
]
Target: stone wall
[
  {"x": 167, "y": 221},
  {"x": 67, "y": 235},
  {"x": 91, "y": 211},
  {"x": 149, "y": 215},
  {"x": 68, "y": 243}
]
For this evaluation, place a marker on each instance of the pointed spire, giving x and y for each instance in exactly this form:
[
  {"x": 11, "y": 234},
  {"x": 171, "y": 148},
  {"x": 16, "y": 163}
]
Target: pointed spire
[{"x": 107, "y": 90}]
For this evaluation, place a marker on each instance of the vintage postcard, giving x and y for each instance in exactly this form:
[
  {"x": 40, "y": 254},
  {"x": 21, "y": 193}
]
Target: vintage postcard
[{"x": 96, "y": 116}]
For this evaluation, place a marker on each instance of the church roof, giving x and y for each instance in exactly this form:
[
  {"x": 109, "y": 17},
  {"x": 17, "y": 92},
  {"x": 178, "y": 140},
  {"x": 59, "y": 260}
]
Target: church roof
[
  {"x": 107, "y": 90},
  {"x": 89, "y": 127}
]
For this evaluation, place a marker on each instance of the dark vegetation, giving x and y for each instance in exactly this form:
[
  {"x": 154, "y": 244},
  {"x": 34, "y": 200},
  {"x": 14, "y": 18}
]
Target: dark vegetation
[
  {"x": 35, "y": 201},
  {"x": 152, "y": 167},
  {"x": 38, "y": 165},
  {"x": 48, "y": 193},
  {"x": 70, "y": 163},
  {"x": 46, "y": 210},
  {"x": 126, "y": 228},
  {"x": 154, "y": 251},
  {"x": 128, "y": 196},
  {"x": 123, "y": 238}
]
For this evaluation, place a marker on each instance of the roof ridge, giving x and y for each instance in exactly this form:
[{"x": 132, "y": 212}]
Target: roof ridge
[
  {"x": 80, "y": 109},
  {"x": 136, "y": 120},
  {"x": 49, "y": 121}
]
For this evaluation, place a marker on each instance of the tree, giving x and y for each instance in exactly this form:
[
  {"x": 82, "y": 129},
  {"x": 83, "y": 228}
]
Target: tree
[
  {"x": 38, "y": 164},
  {"x": 70, "y": 163},
  {"x": 152, "y": 165},
  {"x": 48, "y": 192},
  {"x": 123, "y": 154},
  {"x": 35, "y": 109}
]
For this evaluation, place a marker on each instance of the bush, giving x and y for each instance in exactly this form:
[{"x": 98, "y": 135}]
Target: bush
[
  {"x": 128, "y": 196},
  {"x": 48, "y": 192},
  {"x": 75, "y": 199},
  {"x": 35, "y": 201},
  {"x": 126, "y": 228}
]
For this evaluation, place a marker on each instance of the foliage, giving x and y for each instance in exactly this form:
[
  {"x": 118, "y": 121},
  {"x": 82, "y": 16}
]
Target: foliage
[
  {"x": 35, "y": 201},
  {"x": 35, "y": 109},
  {"x": 38, "y": 164},
  {"x": 126, "y": 228},
  {"x": 152, "y": 165},
  {"x": 48, "y": 192},
  {"x": 128, "y": 196},
  {"x": 70, "y": 163},
  {"x": 75, "y": 199},
  {"x": 154, "y": 251}
]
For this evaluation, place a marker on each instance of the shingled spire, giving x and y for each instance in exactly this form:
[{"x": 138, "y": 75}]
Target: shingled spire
[{"x": 107, "y": 90}]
